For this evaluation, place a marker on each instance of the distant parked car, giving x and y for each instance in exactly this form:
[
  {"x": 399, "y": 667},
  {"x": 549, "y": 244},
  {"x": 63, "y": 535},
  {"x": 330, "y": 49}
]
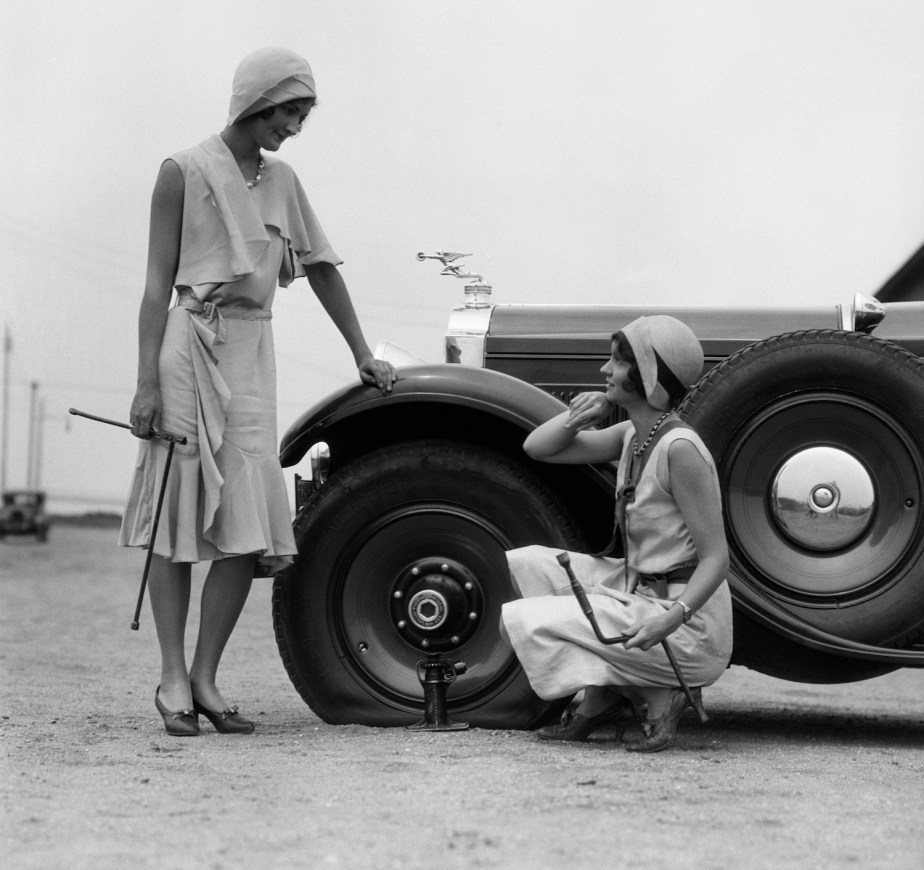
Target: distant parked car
[{"x": 23, "y": 513}]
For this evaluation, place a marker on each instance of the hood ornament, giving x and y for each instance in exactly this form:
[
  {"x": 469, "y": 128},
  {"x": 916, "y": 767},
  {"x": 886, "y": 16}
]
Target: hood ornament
[{"x": 476, "y": 290}]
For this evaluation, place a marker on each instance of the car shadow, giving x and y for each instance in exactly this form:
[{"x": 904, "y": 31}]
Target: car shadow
[{"x": 842, "y": 728}]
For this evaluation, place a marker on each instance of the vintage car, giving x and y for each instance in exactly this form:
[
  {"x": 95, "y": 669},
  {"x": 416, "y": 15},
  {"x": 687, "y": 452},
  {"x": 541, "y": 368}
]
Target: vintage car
[
  {"x": 23, "y": 513},
  {"x": 815, "y": 417}
]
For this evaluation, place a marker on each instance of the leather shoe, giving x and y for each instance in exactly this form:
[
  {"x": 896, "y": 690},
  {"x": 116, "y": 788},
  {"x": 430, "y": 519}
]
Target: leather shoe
[
  {"x": 658, "y": 734},
  {"x": 581, "y": 727},
  {"x": 177, "y": 723},
  {"x": 227, "y": 722}
]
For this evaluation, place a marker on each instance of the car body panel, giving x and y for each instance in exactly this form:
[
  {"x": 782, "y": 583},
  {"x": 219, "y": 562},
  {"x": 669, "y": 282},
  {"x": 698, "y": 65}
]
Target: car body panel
[{"x": 560, "y": 348}]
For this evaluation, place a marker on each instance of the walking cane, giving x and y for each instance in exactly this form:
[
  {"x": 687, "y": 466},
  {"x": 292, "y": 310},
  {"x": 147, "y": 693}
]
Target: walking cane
[
  {"x": 172, "y": 440},
  {"x": 565, "y": 561}
]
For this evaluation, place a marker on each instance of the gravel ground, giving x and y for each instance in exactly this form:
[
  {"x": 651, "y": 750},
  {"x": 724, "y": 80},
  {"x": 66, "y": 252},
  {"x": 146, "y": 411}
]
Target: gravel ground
[{"x": 785, "y": 775}]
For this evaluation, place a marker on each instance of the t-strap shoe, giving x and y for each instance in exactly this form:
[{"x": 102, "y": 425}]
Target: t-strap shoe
[
  {"x": 658, "y": 734},
  {"x": 581, "y": 727}
]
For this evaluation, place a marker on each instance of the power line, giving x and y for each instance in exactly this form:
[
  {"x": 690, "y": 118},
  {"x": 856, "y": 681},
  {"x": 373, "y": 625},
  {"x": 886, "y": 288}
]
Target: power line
[
  {"x": 61, "y": 386},
  {"x": 84, "y": 385}
]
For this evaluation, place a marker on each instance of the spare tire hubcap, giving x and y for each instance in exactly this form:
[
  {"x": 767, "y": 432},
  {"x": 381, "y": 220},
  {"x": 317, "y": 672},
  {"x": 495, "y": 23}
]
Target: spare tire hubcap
[{"x": 823, "y": 498}]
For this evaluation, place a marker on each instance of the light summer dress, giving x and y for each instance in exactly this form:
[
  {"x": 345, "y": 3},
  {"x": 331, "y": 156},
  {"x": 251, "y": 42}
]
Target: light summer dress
[
  {"x": 553, "y": 638},
  {"x": 226, "y": 492}
]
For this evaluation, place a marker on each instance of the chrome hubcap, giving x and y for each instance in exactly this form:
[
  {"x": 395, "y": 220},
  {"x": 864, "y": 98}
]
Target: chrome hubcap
[{"x": 823, "y": 498}]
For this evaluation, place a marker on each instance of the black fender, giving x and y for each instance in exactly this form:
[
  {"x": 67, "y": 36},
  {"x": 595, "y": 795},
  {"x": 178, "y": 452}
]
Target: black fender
[
  {"x": 453, "y": 401},
  {"x": 767, "y": 612},
  {"x": 486, "y": 392}
]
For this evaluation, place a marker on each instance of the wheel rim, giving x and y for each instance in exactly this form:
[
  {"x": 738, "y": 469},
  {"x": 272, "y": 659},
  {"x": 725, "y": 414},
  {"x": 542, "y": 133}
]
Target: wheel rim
[
  {"x": 823, "y": 495},
  {"x": 423, "y": 579}
]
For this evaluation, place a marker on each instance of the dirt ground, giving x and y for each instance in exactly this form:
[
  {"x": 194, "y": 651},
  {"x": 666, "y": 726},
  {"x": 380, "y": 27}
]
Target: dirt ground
[{"x": 785, "y": 775}]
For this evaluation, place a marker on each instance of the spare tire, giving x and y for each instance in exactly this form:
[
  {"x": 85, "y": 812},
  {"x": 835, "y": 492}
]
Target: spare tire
[{"x": 819, "y": 441}]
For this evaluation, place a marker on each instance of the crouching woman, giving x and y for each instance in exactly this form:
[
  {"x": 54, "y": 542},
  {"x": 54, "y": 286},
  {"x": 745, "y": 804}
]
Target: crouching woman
[{"x": 670, "y": 582}]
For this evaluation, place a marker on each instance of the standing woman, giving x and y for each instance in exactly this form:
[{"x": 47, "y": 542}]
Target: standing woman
[
  {"x": 671, "y": 582},
  {"x": 228, "y": 223}
]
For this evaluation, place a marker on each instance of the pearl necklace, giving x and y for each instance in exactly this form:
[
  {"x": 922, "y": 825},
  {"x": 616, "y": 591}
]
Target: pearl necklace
[
  {"x": 638, "y": 451},
  {"x": 259, "y": 175}
]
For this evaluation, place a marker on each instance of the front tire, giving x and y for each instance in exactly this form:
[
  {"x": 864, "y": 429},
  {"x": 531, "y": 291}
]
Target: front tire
[{"x": 401, "y": 554}]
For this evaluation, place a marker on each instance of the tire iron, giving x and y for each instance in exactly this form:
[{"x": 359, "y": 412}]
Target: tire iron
[{"x": 565, "y": 561}]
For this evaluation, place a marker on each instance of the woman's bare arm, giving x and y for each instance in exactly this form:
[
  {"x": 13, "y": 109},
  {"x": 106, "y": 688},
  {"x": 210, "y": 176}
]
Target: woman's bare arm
[
  {"x": 330, "y": 288},
  {"x": 163, "y": 257},
  {"x": 570, "y": 438}
]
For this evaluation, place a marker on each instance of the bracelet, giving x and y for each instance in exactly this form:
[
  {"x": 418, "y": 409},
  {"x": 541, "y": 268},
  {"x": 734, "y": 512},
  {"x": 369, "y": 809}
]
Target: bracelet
[{"x": 687, "y": 610}]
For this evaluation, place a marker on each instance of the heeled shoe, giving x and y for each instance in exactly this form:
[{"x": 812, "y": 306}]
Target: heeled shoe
[
  {"x": 581, "y": 727},
  {"x": 177, "y": 723},
  {"x": 227, "y": 722},
  {"x": 658, "y": 734}
]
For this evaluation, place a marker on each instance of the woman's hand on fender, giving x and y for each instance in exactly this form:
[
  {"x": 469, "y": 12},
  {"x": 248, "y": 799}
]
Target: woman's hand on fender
[
  {"x": 650, "y": 631},
  {"x": 587, "y": 410},
  {"x": 145, "y": 412},
  {"x": 378, "y": 373}
]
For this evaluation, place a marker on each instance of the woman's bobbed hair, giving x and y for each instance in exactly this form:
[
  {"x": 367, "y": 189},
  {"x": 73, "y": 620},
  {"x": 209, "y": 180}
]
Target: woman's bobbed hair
[{"x": 625, "y": 353}]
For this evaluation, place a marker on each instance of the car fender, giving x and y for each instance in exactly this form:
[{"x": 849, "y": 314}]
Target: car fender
[
  {"x": 764, "y": 610},
  {"x": 490, "y": 393}
]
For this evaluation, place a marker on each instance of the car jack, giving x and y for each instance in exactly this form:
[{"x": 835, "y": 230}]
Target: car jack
[{"x": 435, "y": 675}]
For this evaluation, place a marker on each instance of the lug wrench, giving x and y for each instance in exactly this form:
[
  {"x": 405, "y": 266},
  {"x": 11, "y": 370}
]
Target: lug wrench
[
  {"x": 172, "y": 440},
  {"x": 565, "y": 561}
]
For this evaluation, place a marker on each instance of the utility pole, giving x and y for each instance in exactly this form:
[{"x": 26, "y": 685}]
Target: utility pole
[
  {"x": 33, "y": 421},
  {"x": 39, "y": 443},
  {"x": 5, "y": 415}
]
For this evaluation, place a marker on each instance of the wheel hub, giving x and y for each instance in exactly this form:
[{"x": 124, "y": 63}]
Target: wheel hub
[
  {"x": 436, "y": 604},
  {"x": 823, "y": 498},
  {"x": 428, "y": 609}
]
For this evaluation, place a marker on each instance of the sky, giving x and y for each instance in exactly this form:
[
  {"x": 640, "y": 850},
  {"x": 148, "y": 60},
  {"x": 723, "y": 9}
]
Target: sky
[{"x": 600, "y": 151}]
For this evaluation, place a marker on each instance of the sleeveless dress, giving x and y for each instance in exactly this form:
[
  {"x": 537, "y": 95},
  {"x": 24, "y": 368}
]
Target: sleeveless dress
[
  {"x": 550, "y": 633},
  {"x": 226, "y": 493}
]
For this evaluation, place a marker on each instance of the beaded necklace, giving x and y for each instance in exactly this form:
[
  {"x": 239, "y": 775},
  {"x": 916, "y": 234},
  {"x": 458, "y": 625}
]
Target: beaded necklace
[
  {"x": 638, "y": 451},
  {"x": 627, "y": 493},
  {"x": 259, "y": 175}
]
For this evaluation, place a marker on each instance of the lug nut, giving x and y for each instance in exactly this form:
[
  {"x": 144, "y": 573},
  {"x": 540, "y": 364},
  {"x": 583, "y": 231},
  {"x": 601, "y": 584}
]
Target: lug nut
[{"x": 398, "y": 593}]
